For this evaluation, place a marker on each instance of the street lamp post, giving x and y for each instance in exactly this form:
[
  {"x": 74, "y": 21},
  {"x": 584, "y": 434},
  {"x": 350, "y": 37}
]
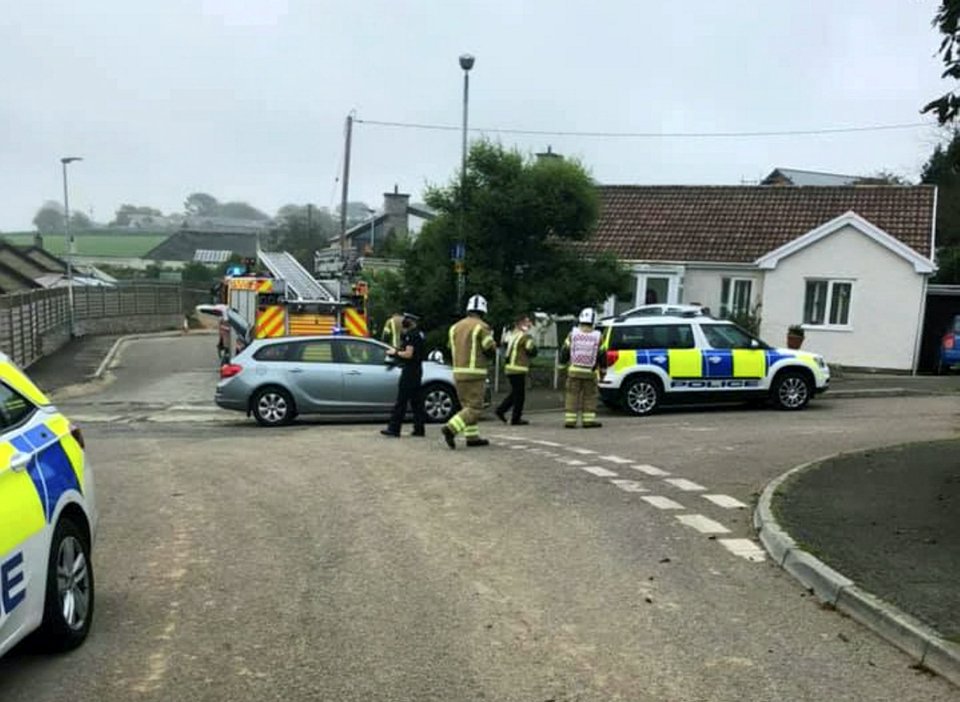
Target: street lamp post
[
  {"x": 71, "y": 249},
  {"x": 466, "y": 63}
]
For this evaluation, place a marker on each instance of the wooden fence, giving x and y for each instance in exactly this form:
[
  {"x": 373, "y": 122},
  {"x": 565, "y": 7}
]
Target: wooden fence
[{"x": 36, "y": 322}]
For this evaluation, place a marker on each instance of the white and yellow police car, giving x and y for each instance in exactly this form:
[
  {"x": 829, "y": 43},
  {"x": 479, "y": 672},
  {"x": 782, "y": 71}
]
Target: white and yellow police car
[
  {"x": 47, "y": 520},
  {"x": 652, "y": 361}
]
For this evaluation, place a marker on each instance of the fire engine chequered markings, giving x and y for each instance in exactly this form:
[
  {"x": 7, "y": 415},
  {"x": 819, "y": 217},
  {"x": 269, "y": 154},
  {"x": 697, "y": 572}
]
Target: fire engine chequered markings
[
  {"x": 661, "y": 502},
  {"x": 704, "y": 525},
  {"x": 725, "y": 501},
  {"x": 685, "y": 485}
]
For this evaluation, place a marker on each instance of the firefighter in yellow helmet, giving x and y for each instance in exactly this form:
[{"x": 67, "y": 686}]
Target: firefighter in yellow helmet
[
  {"x": 472, "y": 346},
  {"x": 581, "y": 351},
  {"x": 393, "y": 330}
]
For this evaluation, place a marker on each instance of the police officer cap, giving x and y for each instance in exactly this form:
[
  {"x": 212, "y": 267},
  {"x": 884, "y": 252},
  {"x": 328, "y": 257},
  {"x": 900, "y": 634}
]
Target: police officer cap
[{"x": 411, "y": 316}]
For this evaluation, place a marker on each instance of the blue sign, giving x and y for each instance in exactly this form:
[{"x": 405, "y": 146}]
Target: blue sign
[{"x": 458, "y": 251}]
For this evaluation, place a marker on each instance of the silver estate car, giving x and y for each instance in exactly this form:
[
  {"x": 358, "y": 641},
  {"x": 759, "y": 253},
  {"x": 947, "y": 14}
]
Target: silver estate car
[{"x": 277, "y": 379}]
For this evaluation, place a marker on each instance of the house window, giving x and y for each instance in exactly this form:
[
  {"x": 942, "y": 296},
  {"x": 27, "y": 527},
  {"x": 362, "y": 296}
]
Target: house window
[
  {"x": 735, "y": 296},
  {"x": 827, "y": 303}
]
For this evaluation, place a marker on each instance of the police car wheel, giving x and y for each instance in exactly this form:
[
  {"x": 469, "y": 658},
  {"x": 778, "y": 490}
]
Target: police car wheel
[
  {"x": 792, "y": 391},
  {"x": 68, "y": 605},
  {"x": 439, "y": 403},
  {"x": 641, "y": 395},
  {"x": 273, "y": 407}
]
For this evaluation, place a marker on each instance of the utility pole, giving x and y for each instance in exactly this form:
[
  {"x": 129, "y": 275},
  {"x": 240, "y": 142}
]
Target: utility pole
[
  {"x": 466, "y": 63},
  {"x": 346, "y": 186},
  {"x": 71, "y": 247}
]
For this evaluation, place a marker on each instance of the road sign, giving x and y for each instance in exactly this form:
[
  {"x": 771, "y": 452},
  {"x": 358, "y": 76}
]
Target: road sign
[
  {"x": 459, "y": 267},
  {"x": 458, "y": 251}
]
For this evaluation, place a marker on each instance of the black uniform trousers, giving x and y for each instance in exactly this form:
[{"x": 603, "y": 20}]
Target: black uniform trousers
[
  {"x": 409, "y": 393},
  {"x": 517, "y": 396}
]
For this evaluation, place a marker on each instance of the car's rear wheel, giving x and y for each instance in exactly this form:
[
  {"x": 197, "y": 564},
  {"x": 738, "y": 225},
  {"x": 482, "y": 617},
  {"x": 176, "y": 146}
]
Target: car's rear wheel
[
  {"x": 439, "y": 402},
  {"x": 68, "y": 605},
  {"x": 641, "y": 395},
  {"x": 791, "y": 390},
  {"x": 272, "y": 407}
]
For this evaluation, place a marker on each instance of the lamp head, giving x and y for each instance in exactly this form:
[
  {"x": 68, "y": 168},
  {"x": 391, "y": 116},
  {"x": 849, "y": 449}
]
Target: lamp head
[
  {"x": 70, "y": 159},
  {"x": 466, "y": 61}
]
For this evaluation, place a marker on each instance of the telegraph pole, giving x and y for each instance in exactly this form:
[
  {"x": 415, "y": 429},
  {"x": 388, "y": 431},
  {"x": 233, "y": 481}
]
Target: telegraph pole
[{"x": 346, "y": 185}]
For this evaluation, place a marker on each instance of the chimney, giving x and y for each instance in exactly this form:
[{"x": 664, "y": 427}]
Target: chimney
[
  {"x": 395, "y": 208},
  {"x": 548, "y": 155}
]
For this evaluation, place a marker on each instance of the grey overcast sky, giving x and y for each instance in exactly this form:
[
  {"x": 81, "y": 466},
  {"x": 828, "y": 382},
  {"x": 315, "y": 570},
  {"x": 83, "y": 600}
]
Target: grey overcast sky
[{"x": 246, "y": 99}]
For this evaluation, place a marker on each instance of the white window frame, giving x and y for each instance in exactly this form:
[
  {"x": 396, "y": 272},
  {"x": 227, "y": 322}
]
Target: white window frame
[
  {"x": 726, "y": 306},
  {"x": 831, "y": 284}
]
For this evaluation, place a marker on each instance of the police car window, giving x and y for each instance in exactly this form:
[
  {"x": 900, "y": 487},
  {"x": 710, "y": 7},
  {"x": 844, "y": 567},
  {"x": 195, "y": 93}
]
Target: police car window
[
  {"x": 727, "y": 336},
  {"x": 273, "y": 352},
  {"x": 315, "y": 352},
  {"x": 14, "y": 409},
  {"x": 652, "y": 336},
  {"x": 361, "y": 352}
]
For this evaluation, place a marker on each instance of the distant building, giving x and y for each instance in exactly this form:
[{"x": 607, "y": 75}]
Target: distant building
[
  {"x": 794, "y": 176},
  {"x": 397, "y": 218}
]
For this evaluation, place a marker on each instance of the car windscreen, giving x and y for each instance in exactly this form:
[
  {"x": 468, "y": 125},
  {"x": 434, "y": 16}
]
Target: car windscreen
[{"x": 652, "y": 336}]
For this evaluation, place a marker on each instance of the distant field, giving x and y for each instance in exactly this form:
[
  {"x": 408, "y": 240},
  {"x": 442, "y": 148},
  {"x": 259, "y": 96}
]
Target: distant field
[{"x": 129, "y": 245}]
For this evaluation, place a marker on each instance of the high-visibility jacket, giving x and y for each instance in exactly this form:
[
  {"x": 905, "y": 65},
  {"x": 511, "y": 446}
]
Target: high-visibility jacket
[
  {"x": 519, "y": 350},
  {"x": 470, "y": 342},
  {"x": 582, "y": 347},
  {"x": 393, "y": 330}
]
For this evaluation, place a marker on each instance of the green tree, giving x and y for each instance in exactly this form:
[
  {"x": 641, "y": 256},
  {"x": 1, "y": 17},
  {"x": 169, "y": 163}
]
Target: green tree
[
  {"x": 241, "y": 210},
  {"x": 304, "y": 232},
  {"x": 947, "y": 21},
  {"x": 526, "y": 224},
  {"x": 80, "y": 221},
  {"x": 201, "y": 205},
  {"x": 124, "y": 212},
  {"x": 943, "y": 170},
  {"x": 49, "y": 217}
]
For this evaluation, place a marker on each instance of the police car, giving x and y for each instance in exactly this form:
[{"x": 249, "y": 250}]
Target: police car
[
  {"x": 652, "y": 361},
  {"x": 47, "y": 520}
]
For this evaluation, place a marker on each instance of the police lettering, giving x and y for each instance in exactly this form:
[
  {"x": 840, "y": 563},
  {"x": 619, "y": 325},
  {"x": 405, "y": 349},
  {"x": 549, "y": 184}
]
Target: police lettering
[
  {"x": 12, "y": 591},
  {"x": 714, "y": 384}
]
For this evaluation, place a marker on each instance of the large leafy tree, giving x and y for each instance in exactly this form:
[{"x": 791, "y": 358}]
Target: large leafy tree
[
  {"x": 525, "y": 224},
  {"x": 303, "y": 230},
  {"x": 49, "y": 218},
  {"x": 947, "y": 20},
  {"x": 943, "y": 170}
]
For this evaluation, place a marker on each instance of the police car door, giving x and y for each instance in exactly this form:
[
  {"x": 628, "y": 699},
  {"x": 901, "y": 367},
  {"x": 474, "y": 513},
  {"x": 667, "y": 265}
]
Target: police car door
[
  {"x": 732, "y": 362},
  {"x": 25, "y": 508}
]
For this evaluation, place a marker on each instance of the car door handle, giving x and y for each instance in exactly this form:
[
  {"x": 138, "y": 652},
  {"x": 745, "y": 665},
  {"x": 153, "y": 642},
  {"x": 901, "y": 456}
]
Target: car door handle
[
  {"x": 354, "y": 372},
  {"x": 296, "y": 370}
]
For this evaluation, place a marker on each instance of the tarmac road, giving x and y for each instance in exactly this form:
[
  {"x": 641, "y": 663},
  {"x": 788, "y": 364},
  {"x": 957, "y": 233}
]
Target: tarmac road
[{"x": 322, "y": 562}]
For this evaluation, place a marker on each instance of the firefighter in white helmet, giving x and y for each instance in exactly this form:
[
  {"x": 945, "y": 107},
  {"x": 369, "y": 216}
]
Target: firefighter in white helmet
[
  {"x": 581, "y": 351},
  {"x": 472, "y": 346}
]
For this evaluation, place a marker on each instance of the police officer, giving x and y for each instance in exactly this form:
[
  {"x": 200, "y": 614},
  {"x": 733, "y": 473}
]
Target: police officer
[
  {"x": 410, "y": 354},
  {"x": 582, "y": 351},
  {"x": 472, "y": 346},
  {"x": 520, "y": 348},
  {"x": 393, "y": 330}
]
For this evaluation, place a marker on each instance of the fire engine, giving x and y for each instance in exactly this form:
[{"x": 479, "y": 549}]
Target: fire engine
[{"x": 280, "y": 298}]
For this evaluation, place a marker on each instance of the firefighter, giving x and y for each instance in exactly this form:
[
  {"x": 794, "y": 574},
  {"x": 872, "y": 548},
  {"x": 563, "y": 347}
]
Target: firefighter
[
  {"x": 410, "y": 355},
  {"x": 520, "y": 348},
  {"x": 393, "y": 330},
  {"x": 472, "y": 347},
  {"x": 581, "y": 351}
]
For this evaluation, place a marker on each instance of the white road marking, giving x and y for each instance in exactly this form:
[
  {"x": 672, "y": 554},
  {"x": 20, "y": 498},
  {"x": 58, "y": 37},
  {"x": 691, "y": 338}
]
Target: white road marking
[
  {"x": 599, "y": 472},
  {"x": 684, "y": 484},
  {"x": 581, "y": 451},
  {"x": 507, "y": 437},
  {"x": 702, "y": 524},
  {"x": 630, "y": 485},
  {"x": 615, "y": 459},
  {"x": 519, "y": 447},
  {"x": 552, "y": 444},
  {"x": 662, "y": 502},
  {"x": 745, "y": 548},
  {"x": 725, "y": 501},
  {"x": 650, "y": 470}
]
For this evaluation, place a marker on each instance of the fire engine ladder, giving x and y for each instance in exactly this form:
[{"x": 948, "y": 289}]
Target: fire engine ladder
[{"x": 299, "y": 282}]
